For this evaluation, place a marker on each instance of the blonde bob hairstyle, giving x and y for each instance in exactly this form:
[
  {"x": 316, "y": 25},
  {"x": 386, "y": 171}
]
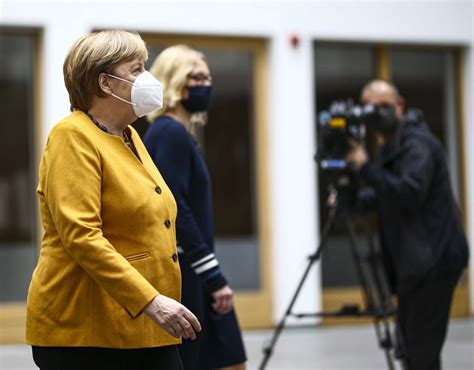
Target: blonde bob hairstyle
[
  {"x": 172, "y": 68},
  {"x": 93, "y": 54}
]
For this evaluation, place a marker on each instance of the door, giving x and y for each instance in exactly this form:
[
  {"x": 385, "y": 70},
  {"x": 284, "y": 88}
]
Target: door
[
  {"x": 428, "y": 79},
  {"x": 234, "y": 146},
  {"x": 19, "y": 130}
]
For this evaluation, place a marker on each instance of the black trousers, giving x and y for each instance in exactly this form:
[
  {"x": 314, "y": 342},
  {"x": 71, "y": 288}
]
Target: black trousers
[
  {"x": 423, "y": 315},
  {"x": 92, "y": 358}
]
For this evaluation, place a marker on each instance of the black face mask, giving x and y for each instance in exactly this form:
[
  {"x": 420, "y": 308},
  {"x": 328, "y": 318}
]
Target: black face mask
[
  {"x": 381, "y": 117},
  {"x": 199, "y": 99}
]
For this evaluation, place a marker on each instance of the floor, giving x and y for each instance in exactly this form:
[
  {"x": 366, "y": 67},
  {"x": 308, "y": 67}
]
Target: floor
[{"x": 318, "y": 348}]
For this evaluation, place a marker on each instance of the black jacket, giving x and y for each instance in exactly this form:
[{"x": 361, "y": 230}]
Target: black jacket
[{"x": 421, "y": 229}]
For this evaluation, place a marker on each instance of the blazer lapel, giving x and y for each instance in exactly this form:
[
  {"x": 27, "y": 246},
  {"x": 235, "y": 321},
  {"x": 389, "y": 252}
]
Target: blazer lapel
[{"x": 147, "y": 162}]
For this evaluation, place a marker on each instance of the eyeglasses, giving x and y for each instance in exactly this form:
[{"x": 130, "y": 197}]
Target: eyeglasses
[{"x": 200, "y": 77}]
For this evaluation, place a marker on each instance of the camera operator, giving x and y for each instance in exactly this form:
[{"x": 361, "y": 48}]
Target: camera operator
[{"x": 422, "y": 238}]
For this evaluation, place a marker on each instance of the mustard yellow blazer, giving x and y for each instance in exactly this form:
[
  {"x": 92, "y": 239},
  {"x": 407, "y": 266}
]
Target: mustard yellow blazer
[{"x": 109, "y": 243}]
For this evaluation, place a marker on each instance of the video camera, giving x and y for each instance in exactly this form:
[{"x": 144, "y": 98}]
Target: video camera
[{"x": 344, "y": 121}]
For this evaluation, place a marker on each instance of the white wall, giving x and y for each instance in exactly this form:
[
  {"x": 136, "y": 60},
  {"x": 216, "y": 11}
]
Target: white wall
[{"x": 291, "y": 100}]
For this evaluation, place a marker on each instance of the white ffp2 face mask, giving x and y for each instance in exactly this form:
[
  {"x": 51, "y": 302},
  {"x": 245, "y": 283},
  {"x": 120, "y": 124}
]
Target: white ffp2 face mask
[{"x": 147, "y": 93}]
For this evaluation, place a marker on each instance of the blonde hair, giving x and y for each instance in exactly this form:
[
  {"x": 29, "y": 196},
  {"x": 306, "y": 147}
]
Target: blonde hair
[
  {"x": 172, "y": 68},
  {"x": 94, "y": 54}
]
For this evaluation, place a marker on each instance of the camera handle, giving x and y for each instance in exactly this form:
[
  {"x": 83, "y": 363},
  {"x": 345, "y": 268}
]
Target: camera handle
[{"x": 372, "y": 278}]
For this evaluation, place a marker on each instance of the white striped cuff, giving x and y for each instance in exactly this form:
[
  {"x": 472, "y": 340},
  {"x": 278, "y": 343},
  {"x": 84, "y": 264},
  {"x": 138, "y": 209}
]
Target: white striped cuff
[
  {"x": 207, "y": 266},
  {"x": 202, "y": 260}
]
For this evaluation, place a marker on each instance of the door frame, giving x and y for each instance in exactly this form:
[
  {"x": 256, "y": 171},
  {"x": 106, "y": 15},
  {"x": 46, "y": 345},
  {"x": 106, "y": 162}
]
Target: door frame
[
  {"x": 254, "y": 307},
  {"x": 335, "y": 298},
  {"x": 13, "y": 314}
]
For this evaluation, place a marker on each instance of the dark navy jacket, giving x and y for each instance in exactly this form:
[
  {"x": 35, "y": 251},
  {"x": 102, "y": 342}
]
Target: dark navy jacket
[
  {"x": 421, "y": 229},
  {"x": 181, "y": 163}
]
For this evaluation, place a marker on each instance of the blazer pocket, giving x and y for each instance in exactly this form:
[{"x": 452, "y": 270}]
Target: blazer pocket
[{"x": 138, "y": 256}]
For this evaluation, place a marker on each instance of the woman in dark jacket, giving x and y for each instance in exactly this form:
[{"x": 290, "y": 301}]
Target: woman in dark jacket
[{"x": 187, "y": 87}]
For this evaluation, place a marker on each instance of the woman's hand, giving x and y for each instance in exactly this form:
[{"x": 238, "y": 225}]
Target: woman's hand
[
  {"x": 173, "y": 317},
  {"x": 223, "y": 300}
]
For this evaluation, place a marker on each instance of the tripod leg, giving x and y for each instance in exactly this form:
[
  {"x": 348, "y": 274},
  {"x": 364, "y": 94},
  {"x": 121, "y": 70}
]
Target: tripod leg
[
  {"x": 268, "y": 350},
  {"x": 375, "y": 286},
  {"x": 364, "y": 273},
  {"x": 383, "y": 289},
  {"x": 385, "y": 340},
  {"x": 375, "y": 260}
]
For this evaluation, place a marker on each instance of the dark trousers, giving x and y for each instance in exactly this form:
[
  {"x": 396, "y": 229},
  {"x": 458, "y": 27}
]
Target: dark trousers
[
  {"x": 92, "y": 358},
  {"x": 423, "y": 315}
]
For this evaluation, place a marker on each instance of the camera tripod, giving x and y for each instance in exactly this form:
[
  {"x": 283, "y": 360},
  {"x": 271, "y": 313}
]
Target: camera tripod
[{"x": 373, "y": 280}]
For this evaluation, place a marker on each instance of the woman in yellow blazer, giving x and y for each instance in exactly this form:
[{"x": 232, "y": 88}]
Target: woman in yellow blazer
[{"x": 105, "y": 292}]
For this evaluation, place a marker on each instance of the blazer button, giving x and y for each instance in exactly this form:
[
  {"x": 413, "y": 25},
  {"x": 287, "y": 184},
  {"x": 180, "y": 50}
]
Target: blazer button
[
  {"x": 168, "y": 224},
  {"x": 174, "y": 257},
  {"x": 158, "y": 190}
]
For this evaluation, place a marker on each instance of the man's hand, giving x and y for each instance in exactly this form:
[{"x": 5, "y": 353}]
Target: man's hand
[
  {"x": 223, "y": 300},
  {"x": 173, "y": 317},
  {"x": 332, "y": 199},
  {"x": 357, "y": 155}
]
